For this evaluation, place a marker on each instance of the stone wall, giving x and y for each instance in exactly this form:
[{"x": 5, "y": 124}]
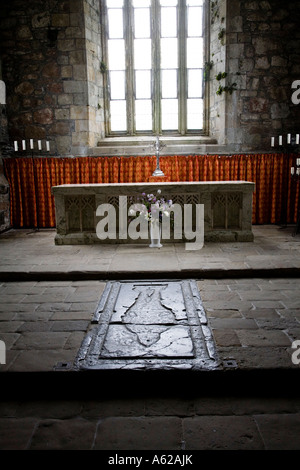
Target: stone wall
[
  {"x": 95, "y": 78},
  {"x": 257, "y": 44},
  {"x": 263, "y": 58},
  {"x": 4, "y": 151},
  {"x": 216, "y": 64},
  {"x": 4, "y": 201}
]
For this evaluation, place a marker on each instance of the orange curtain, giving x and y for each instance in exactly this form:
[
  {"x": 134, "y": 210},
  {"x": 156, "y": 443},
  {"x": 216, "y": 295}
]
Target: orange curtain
[{"x": 275, "y": 199}]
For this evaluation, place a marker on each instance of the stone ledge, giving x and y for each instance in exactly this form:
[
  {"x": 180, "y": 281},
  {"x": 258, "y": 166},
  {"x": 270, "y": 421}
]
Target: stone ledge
[
  {"x": 114, "y": 146},
  {"x": 218, "y": 236},
  {"x": 105, "y": 275}
]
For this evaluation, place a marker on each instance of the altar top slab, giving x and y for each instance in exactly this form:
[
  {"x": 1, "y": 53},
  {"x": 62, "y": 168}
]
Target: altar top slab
[{"x": 172, "y": 186}]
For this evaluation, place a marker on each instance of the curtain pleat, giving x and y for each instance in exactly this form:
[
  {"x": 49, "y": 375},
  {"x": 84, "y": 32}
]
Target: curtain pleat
[{"x": 275, "y": 199}]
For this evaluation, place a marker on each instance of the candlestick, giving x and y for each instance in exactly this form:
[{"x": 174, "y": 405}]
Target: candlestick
[
  {"x": 157, "y": 171},
  {"x": 272, "y": 141},
  {"x": 31, "y": 144},
  {"x": 297, "y": 138},
  {"x": 280, "y": 140},
  {"x": 48, "y": 146},
  {"x": 23, "y": 145},
  {"x": 16, "y": 145},
  {"x": 289, "y": 138},
  {"x": 39, "y": 145}
]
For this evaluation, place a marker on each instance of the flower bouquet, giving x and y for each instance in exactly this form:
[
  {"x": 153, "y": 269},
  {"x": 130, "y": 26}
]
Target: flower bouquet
[{"x": 153, "y": 208}]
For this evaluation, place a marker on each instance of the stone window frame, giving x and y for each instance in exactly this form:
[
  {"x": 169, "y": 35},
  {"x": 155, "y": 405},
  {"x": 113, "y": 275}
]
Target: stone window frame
[
  {"x": 182, "y": 133},
  {"x": 2, "y": 92}
]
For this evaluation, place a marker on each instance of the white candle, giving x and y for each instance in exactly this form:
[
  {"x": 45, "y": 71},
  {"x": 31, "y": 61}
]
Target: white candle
[
  {"x": 272, "y": 141},
  {"x": 289, "y": 138},
  {"x": 23, "y": 145},
  {"x": 292, "y": 170},
  {"x": 16, "y": 145},
  {"x": 298, "y": 162},
  {"x": 297, "y": 138},
  {"x": 40, "y": 145},
  {"x": 280, "y": 140},
  {"x": 31, "y": 143},
  {"x": 48, "y": 146},
  {"x": 298, "y": 171}
]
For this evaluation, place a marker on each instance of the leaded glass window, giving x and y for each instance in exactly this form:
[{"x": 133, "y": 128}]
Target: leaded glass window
[{"x": 154, "y": 55}]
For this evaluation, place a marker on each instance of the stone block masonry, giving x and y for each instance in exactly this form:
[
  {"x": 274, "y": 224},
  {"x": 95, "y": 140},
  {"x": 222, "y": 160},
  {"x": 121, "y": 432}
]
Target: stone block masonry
[
  {"x": 257, "y": 44},
  {"x": 268, "y": 64},
  {"x": 4, "y": 148},
  {"x": 51, "y": 62}
]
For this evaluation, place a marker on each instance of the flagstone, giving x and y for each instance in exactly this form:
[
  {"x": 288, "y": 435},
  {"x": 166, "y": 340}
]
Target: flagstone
[
  {"x": 211, "y": 432},
  {"x": 263, "y": 337},
  {"x": 271, "y": 428},
  {"x": 146, "y": 433},
  {"x": 15, "y": 434},
  {"x": 66, "y": 434},
  {"x": 41, "y": 340}
]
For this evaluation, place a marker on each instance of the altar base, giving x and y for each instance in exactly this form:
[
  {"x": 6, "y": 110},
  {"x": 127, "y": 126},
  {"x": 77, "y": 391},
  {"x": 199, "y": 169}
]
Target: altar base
[{"x": 227, "y": 208}]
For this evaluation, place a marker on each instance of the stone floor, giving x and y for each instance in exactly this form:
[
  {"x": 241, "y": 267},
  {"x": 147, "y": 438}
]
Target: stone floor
[
  {"x": 250, "y": 293},
  {"x": 28, "y": 254}
]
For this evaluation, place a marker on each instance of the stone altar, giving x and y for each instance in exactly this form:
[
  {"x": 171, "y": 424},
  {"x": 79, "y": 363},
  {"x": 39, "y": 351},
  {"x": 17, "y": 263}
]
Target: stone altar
[{"x": 227, "y": 208}]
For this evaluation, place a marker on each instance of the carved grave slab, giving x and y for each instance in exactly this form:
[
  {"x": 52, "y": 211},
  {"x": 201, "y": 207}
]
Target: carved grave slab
[{"x": 149, "y": 324}]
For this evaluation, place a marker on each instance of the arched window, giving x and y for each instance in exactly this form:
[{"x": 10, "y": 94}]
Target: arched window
[{"x": 153, "y": 64}]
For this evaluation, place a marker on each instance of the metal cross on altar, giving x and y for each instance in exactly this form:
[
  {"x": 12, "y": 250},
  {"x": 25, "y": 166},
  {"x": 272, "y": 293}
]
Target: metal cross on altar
[{"x": 158, "y": 146}]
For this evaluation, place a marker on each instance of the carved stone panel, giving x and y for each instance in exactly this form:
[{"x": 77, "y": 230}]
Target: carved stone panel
[
  {"x": 227, "y": 210},
  {"x": 150, "y": 324},
  {"x": 80, "y": 213}
]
